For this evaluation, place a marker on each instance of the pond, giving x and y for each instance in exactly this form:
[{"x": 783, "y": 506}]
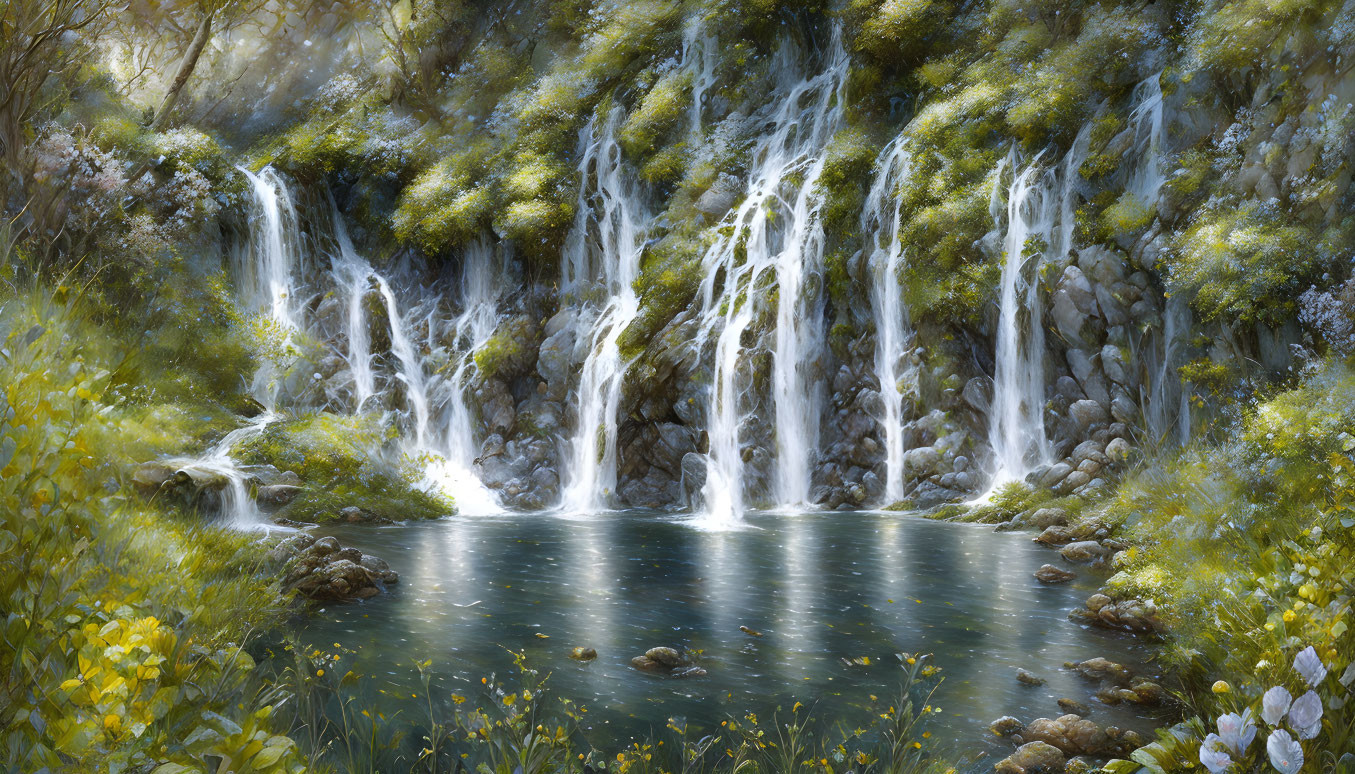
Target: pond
[{"x": 823, "y": 590}]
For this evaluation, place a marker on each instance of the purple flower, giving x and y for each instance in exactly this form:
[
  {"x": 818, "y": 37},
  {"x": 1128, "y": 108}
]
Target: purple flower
[
  {"x": 1306, "y": 715},
  {"x": 1237, "y": 731},
  {"x": 1307, "y": 663},
  {"x": 1213, "y": 755},
  {"x": 1286, "y": 754},
  {"x": 1274, "y": 704}
]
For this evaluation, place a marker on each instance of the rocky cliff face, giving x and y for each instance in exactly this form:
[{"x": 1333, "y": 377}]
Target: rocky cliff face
[{"x": 1162, "y": 186}]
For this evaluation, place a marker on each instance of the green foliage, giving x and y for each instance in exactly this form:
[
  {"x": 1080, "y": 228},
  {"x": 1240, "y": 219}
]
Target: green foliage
[
  {"x": 519, "y": 725},
  {"x": 847, "y": 164},
  {"x": 661, "y": 109},
  {"x": 1245, "y": 263},
  {"x": 343, "y": 461},
  {"x": 1247, "y": 548},
  {"x": 123, "y": 645}
]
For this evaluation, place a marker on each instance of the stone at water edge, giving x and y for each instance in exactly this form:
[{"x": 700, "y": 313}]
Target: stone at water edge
[
  {"x": 1005, "y": 726},
  {"x": 1026, "y": 678},
  {"x": 1050, "y": 574},
  {"x": 583, "y": 654},
  {"x": 1032, "y": 758},
  {"x": 1073, "y": 707},
  {"x": 277, "y": 494},
  {"x": 1084, "y": 551}
]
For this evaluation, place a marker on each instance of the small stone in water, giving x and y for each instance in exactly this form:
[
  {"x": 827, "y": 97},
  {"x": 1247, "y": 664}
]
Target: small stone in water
[
  {"x": 750, "y": 632},
  {"x": 583, "y": 654},
  {"x": 1051, "y": 574},
  {"x": 1073, "y": 707},
  {"x": 1026, "y": 678}
]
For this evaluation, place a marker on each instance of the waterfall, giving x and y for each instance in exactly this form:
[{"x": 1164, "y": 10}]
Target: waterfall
[
  {"x": 275, "y": 243},
  {"x": 265, "y": 268},
  {"x": 1147, "y": 121},
  {"x": 881, "y": 220},
  {"x": 237, "y": 506},
  {"x": 775, "y": 233},
  {"x": 1039, "y": 213},
  {"x": 482, "y": 281},
  {"x": 353, "y": 275},
  {"x": 697, "y": 60},
  {"x": 602, "y": 255},
  {"x": 409, "y": 366}
]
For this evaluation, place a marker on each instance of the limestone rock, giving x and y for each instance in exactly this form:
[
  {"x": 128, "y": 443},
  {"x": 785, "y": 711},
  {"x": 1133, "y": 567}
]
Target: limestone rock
[{"x": 1032, "y": 758}]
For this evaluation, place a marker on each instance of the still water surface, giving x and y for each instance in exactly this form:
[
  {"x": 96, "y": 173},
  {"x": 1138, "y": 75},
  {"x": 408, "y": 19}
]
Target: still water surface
[{"x": 820, "y": 588}]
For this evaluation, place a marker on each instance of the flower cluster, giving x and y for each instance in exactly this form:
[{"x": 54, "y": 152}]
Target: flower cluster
[{"x": 1290, "y": 721}]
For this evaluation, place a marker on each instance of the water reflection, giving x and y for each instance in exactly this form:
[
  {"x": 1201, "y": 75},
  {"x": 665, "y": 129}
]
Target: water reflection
[{"x": 826, "y": 591}]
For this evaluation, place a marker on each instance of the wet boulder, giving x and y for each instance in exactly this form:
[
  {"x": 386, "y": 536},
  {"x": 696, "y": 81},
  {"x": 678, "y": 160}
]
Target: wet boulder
[
  {"x": 667, "y": 661},
  {"x": 324, "y": 571},
  {"x": 1084, "y": 551},
  {"x": 1032, "y": 758},
  {"x": 1050, "y": 574}
]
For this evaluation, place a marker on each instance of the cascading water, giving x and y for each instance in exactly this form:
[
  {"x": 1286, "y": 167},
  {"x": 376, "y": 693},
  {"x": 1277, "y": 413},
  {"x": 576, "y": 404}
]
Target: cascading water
[
  {"x": 881, "y": 220},
  {"x": 452, "y": 470},
  {"x": 1039, "y": 207},
  {"x": 264, "y": 272},
  {"x": 604, "y": 246},
  {"x": 774, "y": 234},
  {"x": 697, "y": 60},
  {"x": 409, "y": 366},
  {"x": 353, "y": 275},
  {"x": 1147, "y": 121}
]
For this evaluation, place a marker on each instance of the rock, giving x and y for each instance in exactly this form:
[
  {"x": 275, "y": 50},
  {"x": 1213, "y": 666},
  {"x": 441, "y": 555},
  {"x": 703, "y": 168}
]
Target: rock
[
  {"x": 1130, "y": 614},
  {"x": 325, "y": 546},
  {"x": 1086, "y": 413},
  {"x": 1073, "y": 707},
  {"x": 750, "y": 632},
  {"x": 1072, "y": 734},
  {"x": 1100, "y": 668},
  {"x": 1049, "y": 517},
  {"x": 665, "y": 656},
  {"x": 1056, "y": 535},
  {"x": 1032, "y": 758},
  {"x": 1005, "y": 726},
  {"x": 1055, "y": 475},
  {"x": 921, "y": 461},
  {"x": 1118, "y": 450},
  {"x": 1026, "y": 678},
  {"x": 1074, "y": 480},
  {"x": 1050, "y": 574},
  {"x": 148, "y": 477},
  {"x": 645, "y": 664},
  {"x": 277, "y": 494},
  {"x": 721, "y": 195},
  {"x": 583, "y": 654},
  {"x": 1084, "y": 551}
]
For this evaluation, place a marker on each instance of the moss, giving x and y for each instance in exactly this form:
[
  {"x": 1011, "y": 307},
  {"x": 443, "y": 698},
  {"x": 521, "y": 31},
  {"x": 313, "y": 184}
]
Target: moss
[
  {"x": 661, "y": 109},
  {"x": 846, "y": 174},
  {"x": 1126, "y": 216},
  {"x": 670, "y": 275},
  {"x": 1245, "y": 263}
]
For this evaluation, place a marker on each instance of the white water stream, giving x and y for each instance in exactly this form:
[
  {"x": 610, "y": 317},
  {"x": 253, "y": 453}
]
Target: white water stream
[
  {"x": 765, "y": 258},
  {"x": 602, "y": 260},
  {"x": 881, "y": 220}
]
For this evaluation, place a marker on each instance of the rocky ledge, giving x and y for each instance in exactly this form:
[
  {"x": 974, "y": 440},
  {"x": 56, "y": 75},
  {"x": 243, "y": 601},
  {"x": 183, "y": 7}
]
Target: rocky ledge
[{"x": 322, "y": 570}]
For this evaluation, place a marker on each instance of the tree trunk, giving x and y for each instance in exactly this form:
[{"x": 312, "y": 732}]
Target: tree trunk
[{"x": 190, "y": 61}]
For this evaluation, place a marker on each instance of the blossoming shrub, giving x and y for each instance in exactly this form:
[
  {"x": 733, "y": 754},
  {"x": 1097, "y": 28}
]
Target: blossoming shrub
[
  {"x": 1251, "y": 546},
  {"x": 120, "y": 645}
]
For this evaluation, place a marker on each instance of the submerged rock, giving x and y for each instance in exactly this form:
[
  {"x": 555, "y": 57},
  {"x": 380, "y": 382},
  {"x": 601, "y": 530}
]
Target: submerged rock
[
  {"x": 583, "y": 654},
  {"x": 667, "y": 661},
  {"x": 1050, "y": 574},
  {"x": 1005, "y": 726},
  {"x": 1073, "y": 707},
  {"x": 1027, "y": 678}
]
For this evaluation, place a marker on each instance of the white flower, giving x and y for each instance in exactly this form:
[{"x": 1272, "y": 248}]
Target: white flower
[
  {"x": 1237, "y": 731},
  {"x": 1213, "y": 756},
  {"x": 1306, "y": 712},
  {"x": 1310, "y": 666},
  {"x": 1274, "y": 704},
  {"x": 1286, "y": 754}
]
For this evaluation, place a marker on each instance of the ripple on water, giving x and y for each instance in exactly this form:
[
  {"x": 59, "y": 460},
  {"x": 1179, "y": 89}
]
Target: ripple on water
[{"x": 820, "y": 588}]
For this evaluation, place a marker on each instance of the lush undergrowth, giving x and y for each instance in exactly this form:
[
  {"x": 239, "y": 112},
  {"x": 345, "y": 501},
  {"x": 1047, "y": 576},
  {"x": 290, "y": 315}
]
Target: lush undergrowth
[
  {"x": 1248, "y": 547},
  {"x": 520, "y": 726},
  {"x": 124, "y": 626}
]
